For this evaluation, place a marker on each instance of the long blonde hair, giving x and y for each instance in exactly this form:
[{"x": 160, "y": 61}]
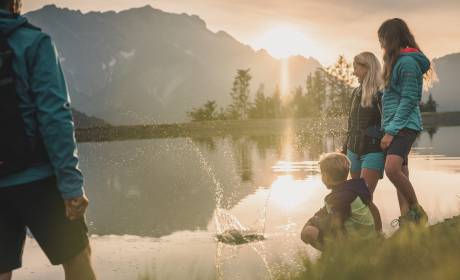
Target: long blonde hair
[{"x": 373, "y": 82}]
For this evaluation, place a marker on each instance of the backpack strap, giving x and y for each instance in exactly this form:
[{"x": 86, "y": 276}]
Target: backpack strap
[{"x": 38, "y": 154}]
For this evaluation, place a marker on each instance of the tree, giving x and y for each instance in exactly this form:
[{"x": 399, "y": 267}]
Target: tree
[
  {"x": 206, "y": 113},
  {"x": 328, "y": 94},
  {"x": 430, "y": 105},
  {"x": 274, "y": 104},
  {"x": 240, "y": 106},
  {"x": 259, "y": 110},
  {"x": 295, "y": 106},
  {"x": 339, "y": 80},
  {"x": 316, "y": 94}
]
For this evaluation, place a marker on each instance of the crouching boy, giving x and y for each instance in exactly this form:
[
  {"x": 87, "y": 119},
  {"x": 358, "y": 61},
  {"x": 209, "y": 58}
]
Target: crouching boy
[{"x": 346, "y": 213}]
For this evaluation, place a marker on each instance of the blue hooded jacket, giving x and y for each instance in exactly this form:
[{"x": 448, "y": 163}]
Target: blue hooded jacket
[
  {"x": 401, "y": 99},
  {"x": 45, "y": 107}
]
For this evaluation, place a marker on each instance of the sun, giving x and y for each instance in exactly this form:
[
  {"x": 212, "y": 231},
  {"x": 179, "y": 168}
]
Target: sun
[{"x": 283, "y": 41}]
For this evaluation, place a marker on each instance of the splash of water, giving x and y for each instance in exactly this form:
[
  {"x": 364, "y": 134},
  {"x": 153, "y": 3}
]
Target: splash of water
[
  {"x": 226, "y": 222},
  {"x": 218, "y": 186}
]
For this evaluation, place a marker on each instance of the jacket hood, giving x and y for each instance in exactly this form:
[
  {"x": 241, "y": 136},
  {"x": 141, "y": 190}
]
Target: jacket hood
[
  {"x": 9, "y": 22},
  {"x": 422, "y": 61}
]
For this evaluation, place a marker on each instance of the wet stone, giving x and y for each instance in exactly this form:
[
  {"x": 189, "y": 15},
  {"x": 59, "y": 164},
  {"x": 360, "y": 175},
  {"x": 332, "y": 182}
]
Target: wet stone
[{"x": 237, "y": 237}]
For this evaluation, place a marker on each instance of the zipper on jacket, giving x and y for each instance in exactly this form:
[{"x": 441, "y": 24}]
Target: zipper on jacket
[{"x": 359, "y": 107}]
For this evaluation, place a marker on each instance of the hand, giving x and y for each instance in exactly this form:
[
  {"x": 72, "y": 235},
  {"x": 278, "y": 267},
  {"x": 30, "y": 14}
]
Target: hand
[
  {"x": 75, "y": 208},
  {"x": 386, "y": 141},
  {"x": 343, "y": 150}
]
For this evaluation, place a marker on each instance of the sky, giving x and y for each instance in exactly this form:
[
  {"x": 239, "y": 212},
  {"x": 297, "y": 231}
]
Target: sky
[{"x": 322, "y": 29}]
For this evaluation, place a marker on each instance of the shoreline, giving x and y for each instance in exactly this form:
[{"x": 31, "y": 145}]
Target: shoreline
[{"x": 256, "y": 127}]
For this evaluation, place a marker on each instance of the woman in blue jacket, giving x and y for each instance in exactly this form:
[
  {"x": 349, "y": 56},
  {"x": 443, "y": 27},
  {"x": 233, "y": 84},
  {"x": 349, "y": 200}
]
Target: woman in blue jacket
[{"x": 403, "y": 72}]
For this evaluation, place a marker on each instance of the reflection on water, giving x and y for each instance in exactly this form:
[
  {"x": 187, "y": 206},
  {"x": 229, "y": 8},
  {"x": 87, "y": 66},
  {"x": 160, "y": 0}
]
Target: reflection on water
[
  {"x": 157, "y": 187},
  {"x": 184, "y": 191}
]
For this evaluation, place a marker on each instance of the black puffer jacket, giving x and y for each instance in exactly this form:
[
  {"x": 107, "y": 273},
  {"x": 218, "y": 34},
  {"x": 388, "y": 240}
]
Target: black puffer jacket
[{"x": 364, "y": 125}]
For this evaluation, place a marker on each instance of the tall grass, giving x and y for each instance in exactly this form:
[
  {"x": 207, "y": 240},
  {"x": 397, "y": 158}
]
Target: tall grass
[{"x": 430, "y": 253}]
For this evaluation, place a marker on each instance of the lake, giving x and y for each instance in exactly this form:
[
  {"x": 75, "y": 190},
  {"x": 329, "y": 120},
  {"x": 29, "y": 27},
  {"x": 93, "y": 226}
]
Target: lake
[{"x": 156, "y": 205}]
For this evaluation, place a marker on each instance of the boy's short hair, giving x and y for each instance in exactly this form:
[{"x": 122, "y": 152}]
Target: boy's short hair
[{"x": 335, "y": 167}]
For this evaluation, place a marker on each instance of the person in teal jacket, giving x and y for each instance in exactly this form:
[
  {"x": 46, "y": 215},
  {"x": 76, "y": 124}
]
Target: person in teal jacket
[
  {"x": 404, "y": 69},
  {"x": 47, "y": 198}
]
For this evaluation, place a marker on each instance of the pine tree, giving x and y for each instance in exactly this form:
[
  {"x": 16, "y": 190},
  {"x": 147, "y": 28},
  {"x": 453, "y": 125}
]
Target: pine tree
[
  {"x": 339, "y": 79},
  {"x": 240, "y": 106},
  {"x": 275, "y": 104},
  {"x": 259, "y": 108},
  {"x": 206, "y": 113},
  {"x": 316, "y": 94},
  {"x": 430, "y": 106},
  {"x": 297, "y": 103}
]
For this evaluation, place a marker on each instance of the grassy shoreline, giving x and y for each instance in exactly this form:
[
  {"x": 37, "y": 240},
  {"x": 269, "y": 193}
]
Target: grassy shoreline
[
  {"x": 222, "y": 128},
  {"x": 431, "y": 253}
]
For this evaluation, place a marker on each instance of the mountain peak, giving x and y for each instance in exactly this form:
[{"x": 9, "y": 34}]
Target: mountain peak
[
  {"x": 53, "y": 10},
  {"x": 225, "y": 35},
  {"x": 146, "y": 8},
  {"x": 145, "y": 65},
  {"x": 141, "y": 11},
  {"x": 448, "y": 56},
  {"x": 195, "y": 19},
  {"x": 50, "y": 7}
]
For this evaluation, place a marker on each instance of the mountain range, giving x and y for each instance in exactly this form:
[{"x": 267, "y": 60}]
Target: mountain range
[
  {"x": 446, "y": 91},
  {"x": 82, "y": 120},
  {"x": 144, "y": 65}
]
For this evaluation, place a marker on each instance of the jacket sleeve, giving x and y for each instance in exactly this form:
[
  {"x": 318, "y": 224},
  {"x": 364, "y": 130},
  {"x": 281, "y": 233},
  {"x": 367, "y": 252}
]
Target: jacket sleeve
[
  {"x": 49, "y": 91},
  {"x": 320, "y": 214},
  {"x": 409, "y": 75},
  {"x": 347, "y": 138},
  {"x": 347, "y": 135}
]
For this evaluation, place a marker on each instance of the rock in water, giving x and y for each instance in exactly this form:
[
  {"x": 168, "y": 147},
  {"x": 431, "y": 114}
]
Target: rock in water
[{"x": 237, "y": 237}]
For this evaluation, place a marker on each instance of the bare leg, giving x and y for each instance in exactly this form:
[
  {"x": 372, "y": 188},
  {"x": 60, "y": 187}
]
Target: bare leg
[
  {"x": 6, "y": 276},
  {"x": 403, "y": 204},
  {"x": 376, "y": 215},
  {"x": 372, "y": 177},
  {"x": 310, "y": 236},
  {"x": 394, "y": 171},
  {"x": 355, "y": 175},
  {"x": 405, "y": 170},
  {"x": 80, "y": 267}
]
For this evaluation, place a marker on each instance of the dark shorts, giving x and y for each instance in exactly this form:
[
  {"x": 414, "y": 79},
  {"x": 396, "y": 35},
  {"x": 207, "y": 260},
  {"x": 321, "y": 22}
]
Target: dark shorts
[
  {"x": 402, "y": 144},
  {"x": 39, "y": 207}
]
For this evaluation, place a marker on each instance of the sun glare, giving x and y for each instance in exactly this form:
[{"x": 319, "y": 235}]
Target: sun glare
[
  {"x": 283, "y": 41},
  {"x": 289, "y": 193}
]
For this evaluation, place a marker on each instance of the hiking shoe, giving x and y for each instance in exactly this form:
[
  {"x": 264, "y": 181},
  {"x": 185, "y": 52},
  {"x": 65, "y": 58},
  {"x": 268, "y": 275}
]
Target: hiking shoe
[
  {"x": 420, "y": 214},
  {"x": 405, "y": 220},
  {"x": 415, "y": 216}
]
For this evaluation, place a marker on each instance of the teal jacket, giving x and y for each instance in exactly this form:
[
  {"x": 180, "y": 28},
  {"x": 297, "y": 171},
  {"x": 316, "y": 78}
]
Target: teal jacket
[
  {"x": 401, "y": 99},
  {"x": 45, "y": 107}
]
